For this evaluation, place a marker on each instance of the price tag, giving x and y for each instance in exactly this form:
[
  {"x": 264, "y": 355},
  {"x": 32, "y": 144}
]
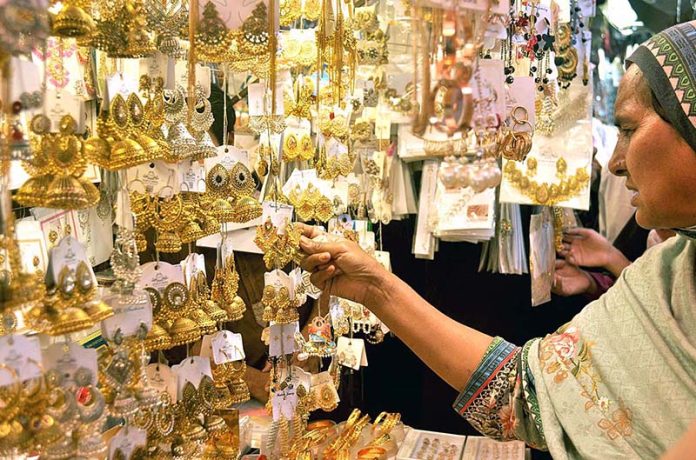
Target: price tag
[
  {"x": 335, "y": 148},
  {"x": 284, "y": 403},
  {"x": 383, "y": 127},
  {"x": 279, "y": 213},
  {"x": 351, "y": 353},
  {"x": 59, "y": 104},
  {"x": 384, "y": 259},
  {"x": 228, "y": 156},
  {"x": 158, "y": 177},
  {"x": 256, "y": 97},
  {"x": 68, "y": 253},
  {"x": 192, "y": 176}
]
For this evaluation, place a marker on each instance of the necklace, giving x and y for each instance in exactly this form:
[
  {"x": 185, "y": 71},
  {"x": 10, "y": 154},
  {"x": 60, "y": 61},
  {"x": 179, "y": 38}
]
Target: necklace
[{"x": 546, "y": 193}]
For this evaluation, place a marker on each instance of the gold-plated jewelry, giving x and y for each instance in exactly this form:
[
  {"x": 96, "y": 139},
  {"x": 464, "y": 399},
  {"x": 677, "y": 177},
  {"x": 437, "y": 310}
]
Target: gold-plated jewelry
[
  {"x": 176, "y": 307},
  {"x": 278, "y": 307},
  {"x": 213, "y": 39},
  {"x": 211, "y": 307},
  {"x": 72, "y": 21},
  {"x": 242, "y": 183},
  {"x": 279, "y": 249},
  {"x": 517, "y": 143},
  {"x": 310, "y": 204},
  {"x": 165, "y": 215},
  {"x": 547, "y": 193},
  {"x": 224, "y": 289},
  {"x": 290, "y": 11},
  {"x": 290, "y": 147}
]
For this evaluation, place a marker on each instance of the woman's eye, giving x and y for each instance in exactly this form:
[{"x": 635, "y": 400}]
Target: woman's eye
[{"x": 626, "y": 131}]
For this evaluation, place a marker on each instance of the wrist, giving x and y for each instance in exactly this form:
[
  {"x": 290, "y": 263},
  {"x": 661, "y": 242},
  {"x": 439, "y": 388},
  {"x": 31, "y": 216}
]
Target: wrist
[
  {"x": 616, "y": 262},
  {"x": 379, "y": 289},
  {"x": 593, "y": 289}
]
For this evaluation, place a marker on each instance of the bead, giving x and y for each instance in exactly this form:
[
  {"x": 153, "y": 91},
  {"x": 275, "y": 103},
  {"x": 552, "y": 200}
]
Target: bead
[
  {"x": 549, "y": 71},
  {"x": 534, "y": 68},
  {"x": 17, "y": 133},
  {"x": 509, "y": 80},
  {"x": 16, "y": 107},
  {"x": 546, "y": 80},
  {"x": 541, "y": 88}
]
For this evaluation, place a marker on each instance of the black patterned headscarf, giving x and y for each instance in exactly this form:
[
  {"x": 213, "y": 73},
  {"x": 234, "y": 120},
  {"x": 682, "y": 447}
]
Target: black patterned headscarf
[{"x": 668, "y": 63}]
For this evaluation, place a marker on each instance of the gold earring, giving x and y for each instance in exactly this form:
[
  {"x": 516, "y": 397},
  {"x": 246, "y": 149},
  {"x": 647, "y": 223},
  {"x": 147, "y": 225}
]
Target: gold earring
[
  {"x": 290, "y": 148},
  {"x": 306, "y": 148}
]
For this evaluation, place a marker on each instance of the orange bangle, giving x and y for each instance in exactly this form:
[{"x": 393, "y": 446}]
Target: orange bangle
[{"x": 372, "y": 453}]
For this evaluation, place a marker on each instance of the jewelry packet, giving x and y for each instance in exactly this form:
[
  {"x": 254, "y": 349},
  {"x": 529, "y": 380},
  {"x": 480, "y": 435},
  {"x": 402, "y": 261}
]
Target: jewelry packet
[
  {"x": 160, "y": 274},
  {"x": 542, "y": 257}
]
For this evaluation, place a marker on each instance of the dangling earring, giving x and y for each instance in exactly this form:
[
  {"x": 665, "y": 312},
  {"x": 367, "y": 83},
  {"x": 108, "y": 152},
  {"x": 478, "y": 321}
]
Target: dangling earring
[{"x": 290, "y": 147}]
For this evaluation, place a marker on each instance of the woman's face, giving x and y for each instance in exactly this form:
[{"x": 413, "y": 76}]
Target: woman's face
[{"x": 660, "y": 167}]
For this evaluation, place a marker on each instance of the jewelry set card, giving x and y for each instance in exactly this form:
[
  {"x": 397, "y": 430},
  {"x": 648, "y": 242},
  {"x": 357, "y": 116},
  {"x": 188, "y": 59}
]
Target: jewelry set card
[
  {"x": 226, "y": 347},
  {"x": 192, "y": 370},
  {"x": 282, "y": 339},
  {"x": 351, "y": 353},
  {"x": 23, "y": 359},
  {"x": 558, "y": 169},
  {"x": 162, "y": 378},
  {"x": 66, "y": 358},
  {"x": 132, "y": 314}
]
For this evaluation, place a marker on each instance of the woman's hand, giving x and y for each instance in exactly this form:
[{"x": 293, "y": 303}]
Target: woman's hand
[
  {"x": 343, "y": 269},
  {"x": 570, "y": 280},
  {"x": 585, "y": 247}
]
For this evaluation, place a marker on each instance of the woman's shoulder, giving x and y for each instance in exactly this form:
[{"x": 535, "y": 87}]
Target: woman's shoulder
[{"x": 664, "y": 259}]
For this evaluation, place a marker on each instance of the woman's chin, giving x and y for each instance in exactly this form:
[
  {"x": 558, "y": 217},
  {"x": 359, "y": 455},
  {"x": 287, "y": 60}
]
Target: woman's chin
[
  {"x": 650, "y": 220},
  {"x": 646, "y": 220}
]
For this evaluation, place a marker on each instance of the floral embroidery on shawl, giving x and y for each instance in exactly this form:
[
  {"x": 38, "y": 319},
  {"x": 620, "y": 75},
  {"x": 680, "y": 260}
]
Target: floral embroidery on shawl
[
  {"x": 565, "y": 354},
  {"x": 487, "y": 402}
]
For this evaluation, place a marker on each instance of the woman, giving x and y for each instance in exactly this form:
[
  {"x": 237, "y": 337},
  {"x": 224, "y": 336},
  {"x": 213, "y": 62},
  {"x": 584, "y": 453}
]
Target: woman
[{"x": 619, "y": 380}]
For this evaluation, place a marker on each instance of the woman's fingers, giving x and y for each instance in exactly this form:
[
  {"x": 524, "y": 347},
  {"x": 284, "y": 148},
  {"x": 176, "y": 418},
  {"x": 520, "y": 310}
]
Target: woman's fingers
[
  {"x": 309, "y": 231},
  {"x": 320, "y": 278},
  {"x": 580, "y": 232},
  {"x": 313, "y": 262}
]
